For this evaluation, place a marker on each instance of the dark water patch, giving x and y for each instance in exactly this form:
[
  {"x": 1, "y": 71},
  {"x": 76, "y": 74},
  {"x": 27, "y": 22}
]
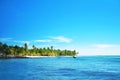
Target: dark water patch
[
  {"x": 100, "y": 74},
  {"x": 114, "y": 60},
  {"x": 52, "y": 74},
  {"x": 69, "y": 74},
  {"x": 67, "y": 69},
  {"x": 111, "y": 59}
]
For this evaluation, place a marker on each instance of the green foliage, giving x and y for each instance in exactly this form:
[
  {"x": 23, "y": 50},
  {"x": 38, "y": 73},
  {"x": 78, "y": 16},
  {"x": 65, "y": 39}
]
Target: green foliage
[{"x": 6, "y": 50}]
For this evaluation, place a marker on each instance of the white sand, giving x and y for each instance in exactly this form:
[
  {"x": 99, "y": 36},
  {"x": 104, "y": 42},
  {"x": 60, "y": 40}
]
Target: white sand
[
  {"x": 45, "y": 56},
  {"x": 38, "y": 56}
]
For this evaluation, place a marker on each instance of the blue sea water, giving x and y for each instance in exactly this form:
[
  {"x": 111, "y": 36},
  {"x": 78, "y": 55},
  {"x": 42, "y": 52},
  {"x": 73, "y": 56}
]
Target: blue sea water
[{"x": 61, "y": 68}]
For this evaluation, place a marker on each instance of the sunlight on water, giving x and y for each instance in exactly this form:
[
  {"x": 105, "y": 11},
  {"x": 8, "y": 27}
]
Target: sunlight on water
[{"x": 61, "y": 68}]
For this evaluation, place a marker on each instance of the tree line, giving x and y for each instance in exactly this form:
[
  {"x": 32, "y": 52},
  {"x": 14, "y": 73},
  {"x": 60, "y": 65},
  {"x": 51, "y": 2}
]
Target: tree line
[{"x": 21, "y": 51}]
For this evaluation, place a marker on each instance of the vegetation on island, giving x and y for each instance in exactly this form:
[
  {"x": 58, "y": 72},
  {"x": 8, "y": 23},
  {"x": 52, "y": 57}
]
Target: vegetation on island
[{"x": 18, "y": 51}]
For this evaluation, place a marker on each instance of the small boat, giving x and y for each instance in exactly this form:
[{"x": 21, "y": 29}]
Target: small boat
[{"x": 74, "y": 56}]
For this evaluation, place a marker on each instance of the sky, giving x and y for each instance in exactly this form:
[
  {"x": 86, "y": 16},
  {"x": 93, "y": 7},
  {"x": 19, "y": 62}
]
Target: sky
[{"x": 91, "y": 27}]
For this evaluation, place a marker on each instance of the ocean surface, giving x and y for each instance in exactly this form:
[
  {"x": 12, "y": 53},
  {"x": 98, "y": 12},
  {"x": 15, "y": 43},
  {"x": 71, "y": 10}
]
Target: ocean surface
[{"x": 61, "y": 68}]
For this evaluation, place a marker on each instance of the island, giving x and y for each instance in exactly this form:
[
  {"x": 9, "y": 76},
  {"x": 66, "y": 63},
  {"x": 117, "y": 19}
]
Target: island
[{"x": 15, "y": 51}]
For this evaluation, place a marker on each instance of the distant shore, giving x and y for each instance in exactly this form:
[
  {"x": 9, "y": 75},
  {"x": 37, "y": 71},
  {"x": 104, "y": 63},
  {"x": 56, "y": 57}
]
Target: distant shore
[
  {"x": 48, "y": 56},
  {"x": 31, "y": 56}
]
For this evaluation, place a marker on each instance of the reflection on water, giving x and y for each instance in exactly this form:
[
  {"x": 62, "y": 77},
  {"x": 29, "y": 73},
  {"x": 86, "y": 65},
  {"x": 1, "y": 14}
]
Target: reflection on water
[{"x": 61, "y": 68}]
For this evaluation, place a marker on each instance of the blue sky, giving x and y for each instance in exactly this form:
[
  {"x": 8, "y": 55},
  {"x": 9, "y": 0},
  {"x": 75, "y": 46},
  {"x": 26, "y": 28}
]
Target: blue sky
[{"x": 92, "y": 27}]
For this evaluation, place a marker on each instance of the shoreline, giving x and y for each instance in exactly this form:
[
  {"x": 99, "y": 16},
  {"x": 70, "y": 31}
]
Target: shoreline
[{"x": 10, "y": 57}]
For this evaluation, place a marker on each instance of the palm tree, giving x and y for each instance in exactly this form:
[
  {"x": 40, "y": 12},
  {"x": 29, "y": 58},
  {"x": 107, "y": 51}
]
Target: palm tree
[{"x": 26, "y": 48}]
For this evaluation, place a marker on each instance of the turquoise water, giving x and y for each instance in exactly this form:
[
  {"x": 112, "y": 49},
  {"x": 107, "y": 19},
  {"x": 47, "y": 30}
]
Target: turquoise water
[{"x": 61, "y": 68}]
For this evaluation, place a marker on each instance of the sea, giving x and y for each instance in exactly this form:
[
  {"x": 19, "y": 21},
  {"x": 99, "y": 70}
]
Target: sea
[{"x": 61, "y": 68}]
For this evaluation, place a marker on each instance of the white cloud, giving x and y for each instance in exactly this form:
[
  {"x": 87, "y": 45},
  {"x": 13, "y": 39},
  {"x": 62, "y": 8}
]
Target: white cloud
[
  {"x": 50, "y": 39},
  {"x": 22, "y": 41},
  {"x": 31, "y": 41},
  {"x": 12, "y": 40},
  {"x": 5, "y": 39},
  {"x": 42, "y": 41},
  {"x": 100, "y": 49},
  {"x": 94, "y": 51},
  {"x": 62, "y": 39},
  {"x": 105, "y": 46}
]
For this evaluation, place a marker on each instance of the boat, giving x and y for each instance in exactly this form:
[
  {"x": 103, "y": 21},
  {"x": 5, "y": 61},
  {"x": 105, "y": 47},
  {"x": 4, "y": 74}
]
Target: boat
[{"x": 74, "y": 56}]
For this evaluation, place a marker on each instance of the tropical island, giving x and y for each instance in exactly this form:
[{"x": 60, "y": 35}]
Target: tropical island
[{"x": 10, "y": 51}]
